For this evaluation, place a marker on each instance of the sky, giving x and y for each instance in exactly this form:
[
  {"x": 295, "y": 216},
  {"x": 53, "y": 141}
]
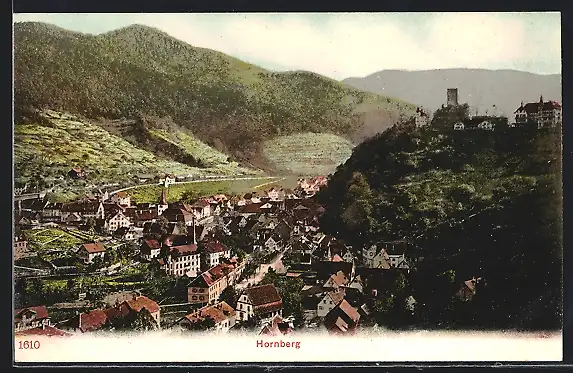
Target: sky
[{"x": 342, "y": 45}]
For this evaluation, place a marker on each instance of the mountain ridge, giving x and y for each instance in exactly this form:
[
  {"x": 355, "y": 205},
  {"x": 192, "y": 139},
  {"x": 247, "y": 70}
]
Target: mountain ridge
[
  {"x": 480, "y": 88},
  {"x": 140, "y": 71}
]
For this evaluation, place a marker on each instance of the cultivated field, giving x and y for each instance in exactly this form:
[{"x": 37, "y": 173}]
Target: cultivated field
[
  {"x": 308, "y": 153},
  {"x": 51, "y": 149},
  {"x": 189, "y": 191}
]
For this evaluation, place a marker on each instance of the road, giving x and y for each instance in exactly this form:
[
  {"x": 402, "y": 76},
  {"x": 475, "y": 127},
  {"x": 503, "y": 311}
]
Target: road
[
  {"x": 199, "y": 181},
  {"x": 276, "y": 264}
]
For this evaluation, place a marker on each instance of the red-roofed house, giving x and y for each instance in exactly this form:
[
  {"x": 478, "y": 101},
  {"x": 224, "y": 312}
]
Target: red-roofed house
[
  {"x": 91, "y": 321},
  {"x": 342, "y": 319},
  {"x": 45, "y": 331},
  {"x": 276, "y": 327},
  {"x": 336, "y": 280},
  {"x": 137, "y": 304},
  {"x": 260, "y": 302},
  {"x": 89, "y": 251},
  {"x": 150, "y": 249},
  {"x": 207, "y": 287},
  {"x": 184, "y": 260},
  {"x": 31, "y": 317},
  {"x": 213, "y": 252},
  {"x": 223, "y": 316},
  {"x": 542, "y": 113}
]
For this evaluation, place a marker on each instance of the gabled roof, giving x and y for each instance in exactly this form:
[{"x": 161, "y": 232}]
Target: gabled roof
[
  {"x": 261, "y": 295},
  {"x": 184, "y": 249},
  {"x": 48, "y": 331},
  {"x": 276, "y": 327},
  {"x": 142, "y": 302},
  {"x": 94, "y": 247},
  {"x": 336, "y": 296},
  {"x": 218, "y": 312},
  {"x": 202, "y": 203},
  {"x": 92, "y": 320},
  {"x": 214, "y": 247},
  {"x": 40, "y": 311},
  {"x": 339, "y": 278},
  {"x": 152, "y": 244}
]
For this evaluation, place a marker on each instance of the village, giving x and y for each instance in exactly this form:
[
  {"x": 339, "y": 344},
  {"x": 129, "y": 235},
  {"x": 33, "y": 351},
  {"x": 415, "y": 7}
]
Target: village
[
  {"x": 191, "y": 242},
  {"x": 256, "y": 262}
]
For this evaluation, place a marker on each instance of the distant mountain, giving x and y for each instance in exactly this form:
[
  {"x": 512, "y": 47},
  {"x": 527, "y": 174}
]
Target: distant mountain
[
  {"x": 481, "y": 89},
  {"x": 139, "y": 72}
]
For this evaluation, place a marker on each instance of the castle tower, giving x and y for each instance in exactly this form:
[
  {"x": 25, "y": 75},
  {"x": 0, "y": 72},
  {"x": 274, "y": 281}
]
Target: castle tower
[{"x": 452, "y": 97}]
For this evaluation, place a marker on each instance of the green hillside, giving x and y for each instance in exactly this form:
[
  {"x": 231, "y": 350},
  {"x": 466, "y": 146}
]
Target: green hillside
[
  {"x": 307, "y": 153},
  {"x": 56, "y": 142},
  {"x": 231, "y": 105},
  {"x": 470, "y": 203}
]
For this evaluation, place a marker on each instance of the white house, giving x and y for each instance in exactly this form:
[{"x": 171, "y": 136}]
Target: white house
[
  {"x": 348, "y": 257},
  {"x": 118, "y": 220},
  {"x": 261, "y": 302},
  {"x": 213, "y": 252},
  {"x": 328, "y": 302},
  {"x": 150, "y": 249},
  {"x": 357, "y": 284},
  {"x": 167, "y": 180},
  {"x": 272, "y": 244},
  {"x": 184, "y": 260},
  {"x": 121, "y": 198},
  {"x": 89, "y": 251},
  {"x": 375, "y": 257},
  {"x": 273, "y": 194}
]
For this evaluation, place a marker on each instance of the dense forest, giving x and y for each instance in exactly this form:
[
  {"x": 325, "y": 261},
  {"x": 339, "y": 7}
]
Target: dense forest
[
  {"x": 471, "y": 204},
  {"x": 139, "y": 71}
]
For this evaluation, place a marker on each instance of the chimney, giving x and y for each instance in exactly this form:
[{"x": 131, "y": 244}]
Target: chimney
[{"x": 194, "y": 233}]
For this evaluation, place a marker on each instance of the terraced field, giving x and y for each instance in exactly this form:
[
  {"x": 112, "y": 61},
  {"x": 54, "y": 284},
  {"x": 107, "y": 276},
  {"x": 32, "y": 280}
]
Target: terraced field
[
  {"x": 308, "y": 153},
  {"x": 64, "y": 141}
]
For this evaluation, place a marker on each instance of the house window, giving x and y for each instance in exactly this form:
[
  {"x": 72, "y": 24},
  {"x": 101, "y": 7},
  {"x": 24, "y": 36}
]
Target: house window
[
  {"x": 320, "y": 307},
  {"x": 194, "y": 297}
]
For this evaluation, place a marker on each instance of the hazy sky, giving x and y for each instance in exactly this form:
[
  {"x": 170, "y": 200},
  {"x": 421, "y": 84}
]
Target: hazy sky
[{"x": 340, "y": 45}]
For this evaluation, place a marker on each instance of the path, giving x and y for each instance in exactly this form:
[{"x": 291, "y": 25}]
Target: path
[
  {"x": 276, "y": 264},
  {"x": 196, "y": 181},
  {"x": 270, "y": 182},
  {"x": 53, "y": 239}
]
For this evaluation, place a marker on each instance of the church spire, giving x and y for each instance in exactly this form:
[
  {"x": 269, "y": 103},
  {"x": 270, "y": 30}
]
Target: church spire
[{"x": 163, "y": 199}]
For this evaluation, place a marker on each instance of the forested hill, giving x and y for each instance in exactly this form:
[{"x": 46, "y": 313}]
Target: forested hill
[
  {"x": 140, "y": 71},
  {"x": 471, "y": 203}
]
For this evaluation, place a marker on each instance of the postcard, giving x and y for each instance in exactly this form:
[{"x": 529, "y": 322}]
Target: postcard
[{"x": 305, "y": 187}]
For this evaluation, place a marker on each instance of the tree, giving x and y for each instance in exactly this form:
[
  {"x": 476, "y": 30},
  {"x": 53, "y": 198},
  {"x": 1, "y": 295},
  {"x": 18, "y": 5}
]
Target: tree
[
  {"x": 230, "y": 296},
  {"x": 144, "y": 321},
  {"x": 90, "y": 223},
  {"x": 205, "y": 324},
  {"x": 163, "y": 225}
]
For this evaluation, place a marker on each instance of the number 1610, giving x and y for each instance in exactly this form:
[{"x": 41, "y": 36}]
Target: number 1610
[{"x": 28, "y": 345}]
